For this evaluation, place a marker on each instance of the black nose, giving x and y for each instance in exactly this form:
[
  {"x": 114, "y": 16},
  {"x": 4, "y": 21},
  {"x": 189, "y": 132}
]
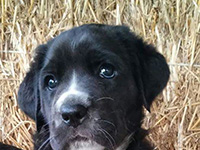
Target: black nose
[{"x": 73, "y": 115}]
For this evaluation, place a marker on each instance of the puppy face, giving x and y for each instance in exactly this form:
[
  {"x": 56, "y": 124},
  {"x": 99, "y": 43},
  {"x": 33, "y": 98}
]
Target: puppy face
[
  {"x": 89, "y": 85},
  {"x": 84, "y": 69}
]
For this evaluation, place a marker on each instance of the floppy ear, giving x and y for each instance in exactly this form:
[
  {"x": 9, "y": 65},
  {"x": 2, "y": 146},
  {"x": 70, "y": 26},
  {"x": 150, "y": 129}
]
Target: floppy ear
[
  {"x": 153, "y": 72},
  {"x": 28, "y": 94},
  {"x": 150, "y": 69}
]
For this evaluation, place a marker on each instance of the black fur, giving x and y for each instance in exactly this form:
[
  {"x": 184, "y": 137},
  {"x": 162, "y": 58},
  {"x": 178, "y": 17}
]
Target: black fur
[
  {"x": 142, "y": 75},
  {"x": 7, "y": 147}
]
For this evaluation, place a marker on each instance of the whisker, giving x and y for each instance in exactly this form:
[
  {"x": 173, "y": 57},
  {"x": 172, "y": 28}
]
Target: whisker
[
  {"x": 46, "y": 130},
  {"x": 104, "y": 98},
  {"x": 45, "y": 142},
  {"x": 48, "y": 123},
  {"x": 108, "y": 136},
  {"x": 106, "y": 121}
]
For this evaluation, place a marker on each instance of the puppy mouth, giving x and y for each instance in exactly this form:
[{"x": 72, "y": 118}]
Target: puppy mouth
[
  {"x": 78, "y": 138},
  {"x": 78, "y": 134},
  {"x": 85, "y": 136},
  {"x": 83, "y": 143}
]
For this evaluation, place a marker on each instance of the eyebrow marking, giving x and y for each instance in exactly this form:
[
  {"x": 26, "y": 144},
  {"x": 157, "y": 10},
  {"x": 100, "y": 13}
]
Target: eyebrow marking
[{"x": 72, "y": 91}]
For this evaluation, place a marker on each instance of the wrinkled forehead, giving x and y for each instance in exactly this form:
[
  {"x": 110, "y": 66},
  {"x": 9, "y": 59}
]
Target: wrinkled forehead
[
  {"x": 69, "y": 42},
  {"x": 77, "y": 44}
]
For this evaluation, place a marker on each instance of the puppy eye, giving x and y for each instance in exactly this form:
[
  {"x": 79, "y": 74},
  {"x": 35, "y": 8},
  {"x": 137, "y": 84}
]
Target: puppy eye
[
  {"x": 50, "y": 82},
  {"x": 107, "y": 71}
]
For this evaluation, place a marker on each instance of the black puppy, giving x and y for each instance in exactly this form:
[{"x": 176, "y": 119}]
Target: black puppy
[{"x": 86, "y": 88}]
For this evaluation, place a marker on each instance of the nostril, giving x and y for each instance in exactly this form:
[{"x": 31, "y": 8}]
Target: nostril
[
  {"x": 82, "y": 111},
  {"x": 78, "y": 116},
  {"x": 66, "y": 117},
  {"x": 73, "y": 115}
]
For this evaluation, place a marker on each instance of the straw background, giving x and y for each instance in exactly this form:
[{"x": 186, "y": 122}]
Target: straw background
[{"x": 173, "y": 26}]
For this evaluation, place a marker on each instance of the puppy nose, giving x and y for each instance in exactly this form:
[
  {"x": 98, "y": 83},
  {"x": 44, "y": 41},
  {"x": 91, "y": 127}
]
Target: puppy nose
[{"x": 73, "y": 115}]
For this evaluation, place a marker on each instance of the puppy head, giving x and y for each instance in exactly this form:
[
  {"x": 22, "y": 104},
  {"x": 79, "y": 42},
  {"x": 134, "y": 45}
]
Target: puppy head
[{"x": 88, "y": 86}]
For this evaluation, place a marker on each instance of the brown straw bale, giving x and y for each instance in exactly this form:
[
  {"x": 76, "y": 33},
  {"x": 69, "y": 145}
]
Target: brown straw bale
[{"x": 172, "y": 25}]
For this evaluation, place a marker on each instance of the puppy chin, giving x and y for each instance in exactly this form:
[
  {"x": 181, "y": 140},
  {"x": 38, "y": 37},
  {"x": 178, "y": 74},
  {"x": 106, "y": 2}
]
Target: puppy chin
[
  {"x": 78, "y": 143},
  {"x": 80, "y": 138},
  {"x": 85, "y": 145}
]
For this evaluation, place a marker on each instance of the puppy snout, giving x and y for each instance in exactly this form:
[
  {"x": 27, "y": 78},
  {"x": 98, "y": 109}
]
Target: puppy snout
[{"x": 73, "y": 115}]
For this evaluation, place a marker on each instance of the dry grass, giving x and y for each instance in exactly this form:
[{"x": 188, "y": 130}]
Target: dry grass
[{"x": 172, "y": 25}]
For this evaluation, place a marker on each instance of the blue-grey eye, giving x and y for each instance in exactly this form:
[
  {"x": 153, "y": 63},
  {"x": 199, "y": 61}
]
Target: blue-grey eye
[
  {"x": 50, "y": 82},
  {"x": 107, "y": 71}
]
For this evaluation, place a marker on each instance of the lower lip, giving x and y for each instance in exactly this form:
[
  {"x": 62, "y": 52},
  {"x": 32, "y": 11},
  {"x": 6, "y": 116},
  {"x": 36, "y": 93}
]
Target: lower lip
[{"x": 79, "y": 138}]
